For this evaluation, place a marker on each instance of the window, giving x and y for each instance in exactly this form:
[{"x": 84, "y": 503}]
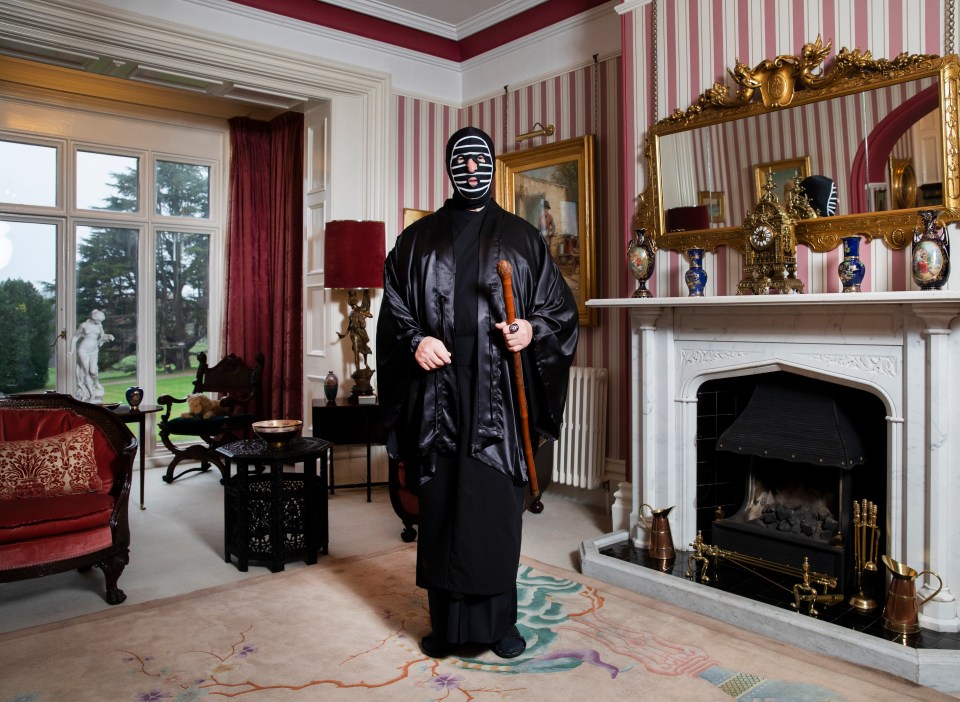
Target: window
[
  {"x": 107, "y": 182},
  {"x": 35, "y": 186},
  {"x": 183, "y": 190},
  {"x": 138, "y": 239},
  {"x": 28, "y": 311}
]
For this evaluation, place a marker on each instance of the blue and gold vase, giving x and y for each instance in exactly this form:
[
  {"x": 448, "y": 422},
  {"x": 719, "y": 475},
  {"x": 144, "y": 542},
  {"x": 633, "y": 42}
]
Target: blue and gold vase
[
  {"x": 695, "y": 277},
  {"x": 851, "y": 268}
]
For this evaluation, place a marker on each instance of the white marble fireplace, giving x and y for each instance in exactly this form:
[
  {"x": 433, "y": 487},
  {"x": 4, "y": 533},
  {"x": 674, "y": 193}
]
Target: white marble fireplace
[{"x": 897, "y": 346}]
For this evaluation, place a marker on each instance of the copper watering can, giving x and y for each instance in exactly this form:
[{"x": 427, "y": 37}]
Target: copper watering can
[
  {"x": 901, "y": 613},
  {"x": 661, "y": 540}
]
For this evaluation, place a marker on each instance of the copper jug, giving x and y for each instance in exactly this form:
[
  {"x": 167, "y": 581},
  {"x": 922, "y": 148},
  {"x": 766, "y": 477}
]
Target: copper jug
[
  {"x": 661, "y": 540},
  {"x": 901, "y": 613}
]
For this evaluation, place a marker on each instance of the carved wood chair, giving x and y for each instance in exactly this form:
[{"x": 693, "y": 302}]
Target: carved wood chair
[{"x": 237, "y": 386}]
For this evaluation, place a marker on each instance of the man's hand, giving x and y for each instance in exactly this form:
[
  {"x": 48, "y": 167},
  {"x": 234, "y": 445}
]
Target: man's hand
[
  {"x": 432, "y": 354},
  {"x": 519, "y": 339}
]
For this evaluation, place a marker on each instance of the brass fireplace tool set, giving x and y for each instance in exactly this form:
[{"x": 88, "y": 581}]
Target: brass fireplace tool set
[
  {"x": 866, "y": 542},
  {"x": 900, "y": 614}
]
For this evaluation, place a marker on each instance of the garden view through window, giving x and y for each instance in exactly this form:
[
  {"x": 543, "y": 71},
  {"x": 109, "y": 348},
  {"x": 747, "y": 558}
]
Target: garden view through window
[{"x": 134, "y": 238}]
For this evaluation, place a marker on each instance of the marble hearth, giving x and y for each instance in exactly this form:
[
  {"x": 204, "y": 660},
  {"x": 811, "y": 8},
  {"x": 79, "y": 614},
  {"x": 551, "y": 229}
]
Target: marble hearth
[{"x": 896, "y": 346}]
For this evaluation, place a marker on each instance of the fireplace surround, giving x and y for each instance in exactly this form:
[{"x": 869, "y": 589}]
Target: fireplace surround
[{"x": 897, "y": 347}]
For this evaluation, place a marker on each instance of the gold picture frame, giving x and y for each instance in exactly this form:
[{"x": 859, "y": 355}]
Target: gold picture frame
[
  {"x": 552, "y": 187},
  {"x": 903, "y": 182},
  {"x": 783, "y": 171},
  {"x": 410, "y": 215},
  {"x": 716, "y": 205}
]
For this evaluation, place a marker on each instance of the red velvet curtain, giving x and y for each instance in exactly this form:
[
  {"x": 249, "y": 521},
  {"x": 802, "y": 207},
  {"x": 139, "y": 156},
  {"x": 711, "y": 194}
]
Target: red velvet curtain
[{"x": 264, "y": 277}]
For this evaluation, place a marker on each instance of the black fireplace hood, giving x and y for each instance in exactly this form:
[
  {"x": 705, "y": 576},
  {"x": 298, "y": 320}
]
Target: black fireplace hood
[{"x": 796, "y": 419}]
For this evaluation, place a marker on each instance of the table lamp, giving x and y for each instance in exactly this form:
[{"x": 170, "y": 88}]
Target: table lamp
[{"x": 354, "y": 252}]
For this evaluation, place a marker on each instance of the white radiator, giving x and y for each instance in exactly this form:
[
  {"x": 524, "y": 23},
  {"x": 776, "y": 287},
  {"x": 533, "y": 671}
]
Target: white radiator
[{"x": 578, "y": 457}]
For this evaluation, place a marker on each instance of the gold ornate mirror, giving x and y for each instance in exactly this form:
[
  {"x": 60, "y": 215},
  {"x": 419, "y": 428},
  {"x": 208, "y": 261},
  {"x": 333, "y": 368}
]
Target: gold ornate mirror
[{"x": 790, "y": 117}]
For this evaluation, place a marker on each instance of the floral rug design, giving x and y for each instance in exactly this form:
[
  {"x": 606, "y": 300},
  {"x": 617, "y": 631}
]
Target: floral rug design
[{"x": 350, "y": 630}]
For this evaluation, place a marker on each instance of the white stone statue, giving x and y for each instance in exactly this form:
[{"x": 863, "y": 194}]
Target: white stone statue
[{"x": 87, "y": 341}]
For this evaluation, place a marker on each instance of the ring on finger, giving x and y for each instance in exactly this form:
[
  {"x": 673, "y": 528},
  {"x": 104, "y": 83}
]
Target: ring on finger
[{"x": 513, "y": 328}]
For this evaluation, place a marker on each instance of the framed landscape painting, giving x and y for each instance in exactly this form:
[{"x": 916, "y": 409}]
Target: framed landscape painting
[{"x": 552, "y": 188}]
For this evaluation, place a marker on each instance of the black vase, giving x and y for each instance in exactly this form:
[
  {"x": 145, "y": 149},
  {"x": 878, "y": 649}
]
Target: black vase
[
  {"x": 330, "y": 386},
  {"x": 134, "y": 397}
]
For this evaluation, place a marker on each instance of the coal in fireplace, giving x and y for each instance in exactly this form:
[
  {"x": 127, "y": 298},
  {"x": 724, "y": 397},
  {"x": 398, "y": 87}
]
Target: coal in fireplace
[{"x": 806, "y": 452}]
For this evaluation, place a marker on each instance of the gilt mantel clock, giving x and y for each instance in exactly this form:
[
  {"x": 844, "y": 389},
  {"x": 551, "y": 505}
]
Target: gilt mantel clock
[{"x": 770, "y": 261}]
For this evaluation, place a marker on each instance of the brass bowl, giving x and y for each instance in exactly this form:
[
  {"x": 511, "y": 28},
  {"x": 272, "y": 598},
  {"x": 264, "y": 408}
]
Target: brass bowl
[{"x": 277, "y": 432}]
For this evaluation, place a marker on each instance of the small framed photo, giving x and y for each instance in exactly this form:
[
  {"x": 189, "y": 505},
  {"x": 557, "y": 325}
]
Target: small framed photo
[
  {"x": 877, "y": 197},
  {"x": 714, "y": 202},
  {"x": 783, "y": 172}
]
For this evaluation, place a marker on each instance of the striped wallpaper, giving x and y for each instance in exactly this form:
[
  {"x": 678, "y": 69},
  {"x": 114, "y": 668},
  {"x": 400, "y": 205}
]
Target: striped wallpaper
[
  {"x": 572, "y": 103},
  {"x": 699, "y": 39}
]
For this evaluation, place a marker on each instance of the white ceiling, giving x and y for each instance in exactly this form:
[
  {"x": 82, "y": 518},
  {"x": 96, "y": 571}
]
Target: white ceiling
[{"x": 454, "y": 19}]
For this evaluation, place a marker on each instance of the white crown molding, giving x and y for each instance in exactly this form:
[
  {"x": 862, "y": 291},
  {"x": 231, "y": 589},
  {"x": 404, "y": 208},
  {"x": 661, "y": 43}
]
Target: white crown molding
[
  {"x": 502, "y": 12},
  {"x": 320, "y": 32},
  {"x": 557, "y": 49},
  {"x": 554, "y": 32},
  {"x": 631, "y": 5},
  {"x": 406, "y": 18},
  {"x": 411, "y": 71}
]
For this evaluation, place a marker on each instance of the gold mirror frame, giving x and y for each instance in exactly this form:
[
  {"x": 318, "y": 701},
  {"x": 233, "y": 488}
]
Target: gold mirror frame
[{"x": 794, "y": 81}]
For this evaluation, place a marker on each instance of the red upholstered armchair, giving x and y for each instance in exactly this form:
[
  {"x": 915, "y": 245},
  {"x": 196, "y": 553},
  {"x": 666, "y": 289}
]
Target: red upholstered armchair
[{"x": 65, "y": 473}]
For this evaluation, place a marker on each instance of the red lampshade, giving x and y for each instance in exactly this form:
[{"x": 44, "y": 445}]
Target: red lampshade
[{"x": 353, "y": 254}]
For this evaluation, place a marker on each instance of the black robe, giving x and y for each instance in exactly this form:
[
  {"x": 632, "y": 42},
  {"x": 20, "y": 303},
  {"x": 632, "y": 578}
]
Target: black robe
[
  {"x": 420, "y": 407},
  {"x": 455, "y": 427}
]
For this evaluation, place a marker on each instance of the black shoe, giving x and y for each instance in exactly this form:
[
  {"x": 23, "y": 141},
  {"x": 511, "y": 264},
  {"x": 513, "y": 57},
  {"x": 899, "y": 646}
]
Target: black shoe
[
  {"x": 434, "y": 645},
  {"x": 511, "y": 645}
]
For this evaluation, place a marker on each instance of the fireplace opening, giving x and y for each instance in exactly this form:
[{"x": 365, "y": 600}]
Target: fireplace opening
[
  {"x": 780, "y": 460},
  {"x": 804, "y": 506}
]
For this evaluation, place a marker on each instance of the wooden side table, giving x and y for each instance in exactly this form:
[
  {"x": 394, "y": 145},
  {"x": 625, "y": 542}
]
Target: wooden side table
[
  {"x": 272, "y": 515},
  {"x": 344, "y": 422},
  {"x": 138, "y": 416}
]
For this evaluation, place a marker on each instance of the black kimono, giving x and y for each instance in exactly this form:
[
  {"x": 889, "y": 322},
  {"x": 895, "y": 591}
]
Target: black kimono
[{"x": 455, "y": 427}]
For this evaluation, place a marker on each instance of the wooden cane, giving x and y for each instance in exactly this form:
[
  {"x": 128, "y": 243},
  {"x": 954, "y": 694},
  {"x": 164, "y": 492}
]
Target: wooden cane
[{"x": 505, "y": 271}]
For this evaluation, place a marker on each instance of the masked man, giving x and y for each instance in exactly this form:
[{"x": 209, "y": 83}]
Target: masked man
[{"x": 447, "y": 392}]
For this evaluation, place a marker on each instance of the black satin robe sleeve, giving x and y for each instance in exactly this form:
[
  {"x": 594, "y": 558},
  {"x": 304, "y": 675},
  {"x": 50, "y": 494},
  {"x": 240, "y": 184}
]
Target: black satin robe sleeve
[{"x": 406, "y": 316}]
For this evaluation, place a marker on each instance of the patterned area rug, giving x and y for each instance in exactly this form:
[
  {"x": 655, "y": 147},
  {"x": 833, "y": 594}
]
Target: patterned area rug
[{"x": 348, "y": 630}]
